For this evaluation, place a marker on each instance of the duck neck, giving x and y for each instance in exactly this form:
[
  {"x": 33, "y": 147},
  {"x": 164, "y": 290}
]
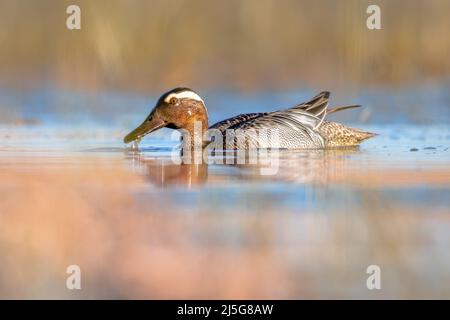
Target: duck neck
[
  {"x": 194, "y": 132},
  {"x": 192, "y": 142}
]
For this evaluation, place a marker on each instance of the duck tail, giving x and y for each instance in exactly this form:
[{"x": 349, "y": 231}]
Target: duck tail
[
  {"x": 338, "y": 135},
  {"x": 340, "y": 108}
]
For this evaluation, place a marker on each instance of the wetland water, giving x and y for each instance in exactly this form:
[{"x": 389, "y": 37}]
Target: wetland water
[{"x": 140, "y": 226}]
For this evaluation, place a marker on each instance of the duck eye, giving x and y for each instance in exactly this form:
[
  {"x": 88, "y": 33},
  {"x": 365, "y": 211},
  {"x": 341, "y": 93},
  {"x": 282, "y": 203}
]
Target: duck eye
[{"x": 173, "y": 101}]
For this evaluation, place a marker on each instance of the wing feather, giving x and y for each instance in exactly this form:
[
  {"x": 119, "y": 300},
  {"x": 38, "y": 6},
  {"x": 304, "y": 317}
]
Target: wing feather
[
  {"x": 307, "y": 116},
  {"x": 242, "y": 118}
]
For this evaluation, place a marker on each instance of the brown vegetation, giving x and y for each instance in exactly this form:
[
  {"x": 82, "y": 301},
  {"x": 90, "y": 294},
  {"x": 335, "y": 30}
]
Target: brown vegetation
[{"x": 154, "y": 45}]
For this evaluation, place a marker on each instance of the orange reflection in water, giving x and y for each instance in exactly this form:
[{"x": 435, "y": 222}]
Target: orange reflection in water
[{"x": 134, "y": 239}]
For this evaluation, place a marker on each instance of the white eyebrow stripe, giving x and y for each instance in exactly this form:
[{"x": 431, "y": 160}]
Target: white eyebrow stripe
[{"x": 184, "y": 94}]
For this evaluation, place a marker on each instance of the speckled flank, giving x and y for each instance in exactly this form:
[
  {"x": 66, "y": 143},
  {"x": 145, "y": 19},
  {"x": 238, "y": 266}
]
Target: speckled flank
[{"x": 338, "y": 135}]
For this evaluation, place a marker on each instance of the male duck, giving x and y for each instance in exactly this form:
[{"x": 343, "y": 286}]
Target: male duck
[{"x": 300, "y": 127}]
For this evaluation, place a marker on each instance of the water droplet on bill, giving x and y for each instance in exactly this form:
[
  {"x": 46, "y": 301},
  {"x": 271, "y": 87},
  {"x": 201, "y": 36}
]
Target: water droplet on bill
[{"x": 135, "y": 144}]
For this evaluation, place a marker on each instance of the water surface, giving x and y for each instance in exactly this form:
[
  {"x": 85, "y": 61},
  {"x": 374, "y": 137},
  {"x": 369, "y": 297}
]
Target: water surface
[{"x": 140, "y": 226}]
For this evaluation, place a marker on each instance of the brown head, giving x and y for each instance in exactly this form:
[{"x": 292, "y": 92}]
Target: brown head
[{"x": 179, "y": 108}]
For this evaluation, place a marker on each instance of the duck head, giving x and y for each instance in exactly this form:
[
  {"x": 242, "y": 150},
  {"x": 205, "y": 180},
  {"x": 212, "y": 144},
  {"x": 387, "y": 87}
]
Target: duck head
[{"x": 179, "y": 108}]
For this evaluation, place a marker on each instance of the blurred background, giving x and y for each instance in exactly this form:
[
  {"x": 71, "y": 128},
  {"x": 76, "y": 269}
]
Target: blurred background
[
  {"x": 128, "y": 52},
  {"x": 149, "y": 46}
]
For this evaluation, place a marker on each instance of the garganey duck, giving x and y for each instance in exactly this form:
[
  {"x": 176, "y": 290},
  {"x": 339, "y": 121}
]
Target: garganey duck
[{"x": 300, "y": 127}]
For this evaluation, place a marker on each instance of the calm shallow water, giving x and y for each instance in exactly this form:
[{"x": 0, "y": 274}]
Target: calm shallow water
[{"x": 140, "y": 226}]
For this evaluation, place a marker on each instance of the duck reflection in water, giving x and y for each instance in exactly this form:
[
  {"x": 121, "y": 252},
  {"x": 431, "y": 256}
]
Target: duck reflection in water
[
  {"x": 165, "y": 174},
  {"x": 308, "y": 166}
]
